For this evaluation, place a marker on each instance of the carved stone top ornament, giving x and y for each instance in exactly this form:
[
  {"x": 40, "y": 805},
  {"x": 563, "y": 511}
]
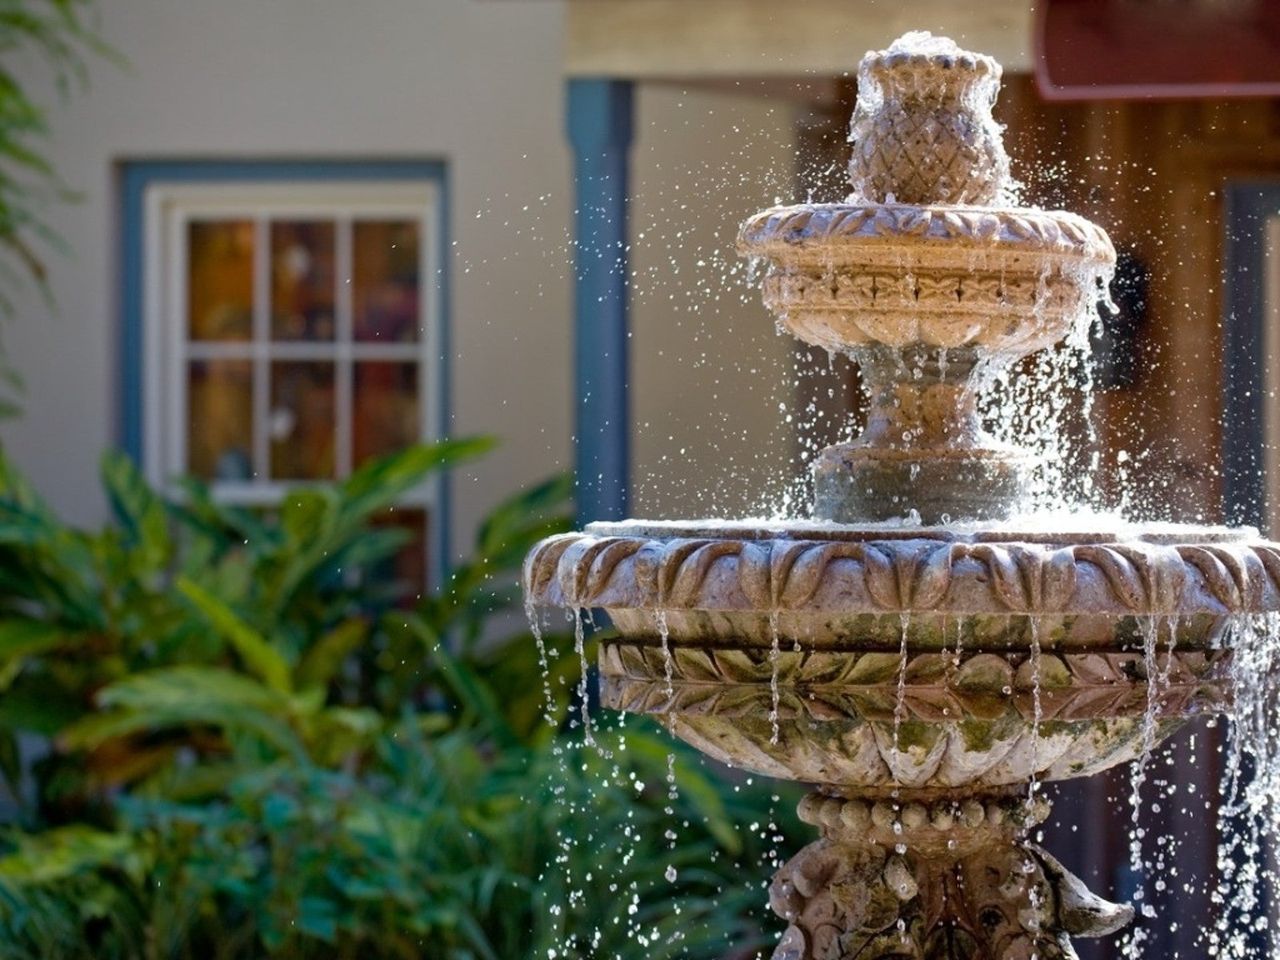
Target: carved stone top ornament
[
  {"x": 926, "y": 676},
  {"x": 922, "y": 130}
]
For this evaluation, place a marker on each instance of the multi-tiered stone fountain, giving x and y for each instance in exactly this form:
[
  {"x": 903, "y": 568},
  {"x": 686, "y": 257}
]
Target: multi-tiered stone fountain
[{"x": 926, "y": 678}]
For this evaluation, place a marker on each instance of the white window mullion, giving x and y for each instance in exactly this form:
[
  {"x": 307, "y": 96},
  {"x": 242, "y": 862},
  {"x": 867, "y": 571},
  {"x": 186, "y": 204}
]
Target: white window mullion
[
  {"x": 344, "y": 373},
  {"x": 261, "y": 349},
  {"x": 428, "y": 344}
]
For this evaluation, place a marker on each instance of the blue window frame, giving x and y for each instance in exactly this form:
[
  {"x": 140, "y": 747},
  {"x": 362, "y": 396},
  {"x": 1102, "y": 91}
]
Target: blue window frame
[{"x": 163, "y": 207}]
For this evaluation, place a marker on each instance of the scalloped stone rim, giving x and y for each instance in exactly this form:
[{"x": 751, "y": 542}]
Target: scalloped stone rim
[
  {"x": 783, "y": 233},
  {"x": 879, "y": 570}
]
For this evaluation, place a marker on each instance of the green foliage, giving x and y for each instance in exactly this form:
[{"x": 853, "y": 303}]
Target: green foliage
[
  {"x": 254, "y": 745},
  {"x": 58, "y": 35}
]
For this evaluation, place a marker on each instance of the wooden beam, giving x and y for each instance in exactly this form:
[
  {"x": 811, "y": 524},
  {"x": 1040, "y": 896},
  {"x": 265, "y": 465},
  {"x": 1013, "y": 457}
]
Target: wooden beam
[{"x": 650, "y": 39}]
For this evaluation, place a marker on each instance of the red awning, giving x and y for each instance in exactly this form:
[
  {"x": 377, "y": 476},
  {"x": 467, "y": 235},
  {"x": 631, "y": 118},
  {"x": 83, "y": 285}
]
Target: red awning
[{"x": 1130, "y": 49}]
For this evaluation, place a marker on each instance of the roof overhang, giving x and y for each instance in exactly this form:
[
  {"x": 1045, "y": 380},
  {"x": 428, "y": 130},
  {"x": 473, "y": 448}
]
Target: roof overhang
[{"x": 721, "y": 39}]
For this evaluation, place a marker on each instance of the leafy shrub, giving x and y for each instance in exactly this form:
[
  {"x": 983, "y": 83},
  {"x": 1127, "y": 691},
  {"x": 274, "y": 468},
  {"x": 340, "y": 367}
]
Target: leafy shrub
[{"x": 226, "y": 737}]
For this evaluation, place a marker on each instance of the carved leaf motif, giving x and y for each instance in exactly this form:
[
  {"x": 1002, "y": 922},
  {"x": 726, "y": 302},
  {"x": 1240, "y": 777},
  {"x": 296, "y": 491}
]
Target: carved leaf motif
[
  {"x": 674, "y": 553},
  {"x": 1058, "y": 580},
  {"x": 807, "y": 568},
  {"x": 872, "y": 668},
  {"x": 581, "y": 570},
  {"x": 1120, "y": 573},
  {"x": 571, "y": 571},
  {"x": 881, "y": 578},
  {"x": 631, "y": 660},
  {"x": 606, "y": 561},
  {"x": 796, "y": 223},
  {"x": 849, "y": 221},
  {"x": 1222, "y": 580},
  {"x": 1251, "y": 576},
  {"x": 735, "y": 666},
  {"x": 933, "y": 579},
  {"x": 1095, "y": 668},
  {"x": 1006, "y": 580},
  {"x": 755, "y": 574},
  {"x": 694, "y": 663},
  {"x": 692, "y": 573},
  {"x": 540, "y": 565}
]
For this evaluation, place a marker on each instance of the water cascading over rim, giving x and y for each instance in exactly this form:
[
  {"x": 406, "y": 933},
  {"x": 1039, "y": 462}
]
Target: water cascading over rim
[{"x": 926, "y": 680}]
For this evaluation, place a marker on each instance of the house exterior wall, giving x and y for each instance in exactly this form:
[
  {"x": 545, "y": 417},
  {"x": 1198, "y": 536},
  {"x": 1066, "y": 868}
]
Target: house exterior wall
[
  {"x": 477, "y": 85},
  {"x": 474, "y": 83}
]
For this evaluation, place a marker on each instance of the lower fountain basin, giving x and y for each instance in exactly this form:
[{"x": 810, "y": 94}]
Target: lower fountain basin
[{"x": 878, "y": 658}]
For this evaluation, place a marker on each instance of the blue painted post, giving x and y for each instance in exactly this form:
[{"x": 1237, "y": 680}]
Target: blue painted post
[{"x": 600, "y": 131}]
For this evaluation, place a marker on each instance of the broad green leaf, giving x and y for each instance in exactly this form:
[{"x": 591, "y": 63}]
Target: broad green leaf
[
  {"x": 324, "y": 658},
  {"x": 41, "y": 705},
  {"x": 307, "y": 514},
  {"x": 64, "y": 852},
  {"x": 20, "y": 637},
  {"x": 381, "y": 482},
  {"x": 187, "y": 696},
  {"x": 317, "y": 917},
  {"x": 256, "y": 652},
  {"x": 518, "y": 512},
  {"x": 471, "y": 691},
  {"x": 139, "y": 511}
]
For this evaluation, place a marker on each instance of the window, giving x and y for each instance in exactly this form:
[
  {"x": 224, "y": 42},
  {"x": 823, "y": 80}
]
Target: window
[{"x": 291, "y": 331}]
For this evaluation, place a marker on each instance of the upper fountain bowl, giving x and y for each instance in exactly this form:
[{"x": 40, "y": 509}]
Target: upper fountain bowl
[
  {"x": 1003, "y": 281},
  {"x": 930, "y": 284},
  {"x": 928, "y": 249}
]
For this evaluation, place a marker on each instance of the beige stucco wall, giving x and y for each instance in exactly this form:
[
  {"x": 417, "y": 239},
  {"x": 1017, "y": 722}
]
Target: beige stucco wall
[
  {"x": 709, "y": 368},
  {"x": 480, "y": 84}
]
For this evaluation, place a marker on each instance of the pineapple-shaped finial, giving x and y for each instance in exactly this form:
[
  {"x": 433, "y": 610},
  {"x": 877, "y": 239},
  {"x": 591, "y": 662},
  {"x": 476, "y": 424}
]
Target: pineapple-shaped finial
[{"x": 922, "y": 131}]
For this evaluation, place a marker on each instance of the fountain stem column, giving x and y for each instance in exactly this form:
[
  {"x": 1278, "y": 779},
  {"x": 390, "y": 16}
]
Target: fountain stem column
[{"x": 923, "y": 448}]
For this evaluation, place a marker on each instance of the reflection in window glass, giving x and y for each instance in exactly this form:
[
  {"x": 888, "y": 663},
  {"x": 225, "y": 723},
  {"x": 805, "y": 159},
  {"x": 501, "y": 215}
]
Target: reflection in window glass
[
  {"x": 220, "y": 419},
  {"x": 302, "y": 274},
  {"x": 385, "y": 416},
  {"x": 300, "y": 422},
  {"x": 220, "y": 279},
  {"x": 385, "y": 281}
]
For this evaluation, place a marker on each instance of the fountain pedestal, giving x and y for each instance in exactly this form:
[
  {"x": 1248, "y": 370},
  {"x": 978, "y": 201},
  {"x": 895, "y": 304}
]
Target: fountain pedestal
[{"x": 940, "y": 878}]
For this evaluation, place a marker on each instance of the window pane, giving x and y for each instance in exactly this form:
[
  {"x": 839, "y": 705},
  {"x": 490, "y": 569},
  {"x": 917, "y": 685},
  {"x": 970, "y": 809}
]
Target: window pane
[
  {"x": 220, "y": 279},
  {"x": 300, "y": 424},
  {"x": 302, "y": 291},
  {"x": 386, "y": 285},
  {"x": 385, "y": 418},
  {"x": 408, "y": 568},
  {"x": 220, "y": 419}
]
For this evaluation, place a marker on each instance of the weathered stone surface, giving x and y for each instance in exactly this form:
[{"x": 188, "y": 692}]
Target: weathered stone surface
[
  {"x": 851, "y": 570},
  {"x": 976, "y": 889}
]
